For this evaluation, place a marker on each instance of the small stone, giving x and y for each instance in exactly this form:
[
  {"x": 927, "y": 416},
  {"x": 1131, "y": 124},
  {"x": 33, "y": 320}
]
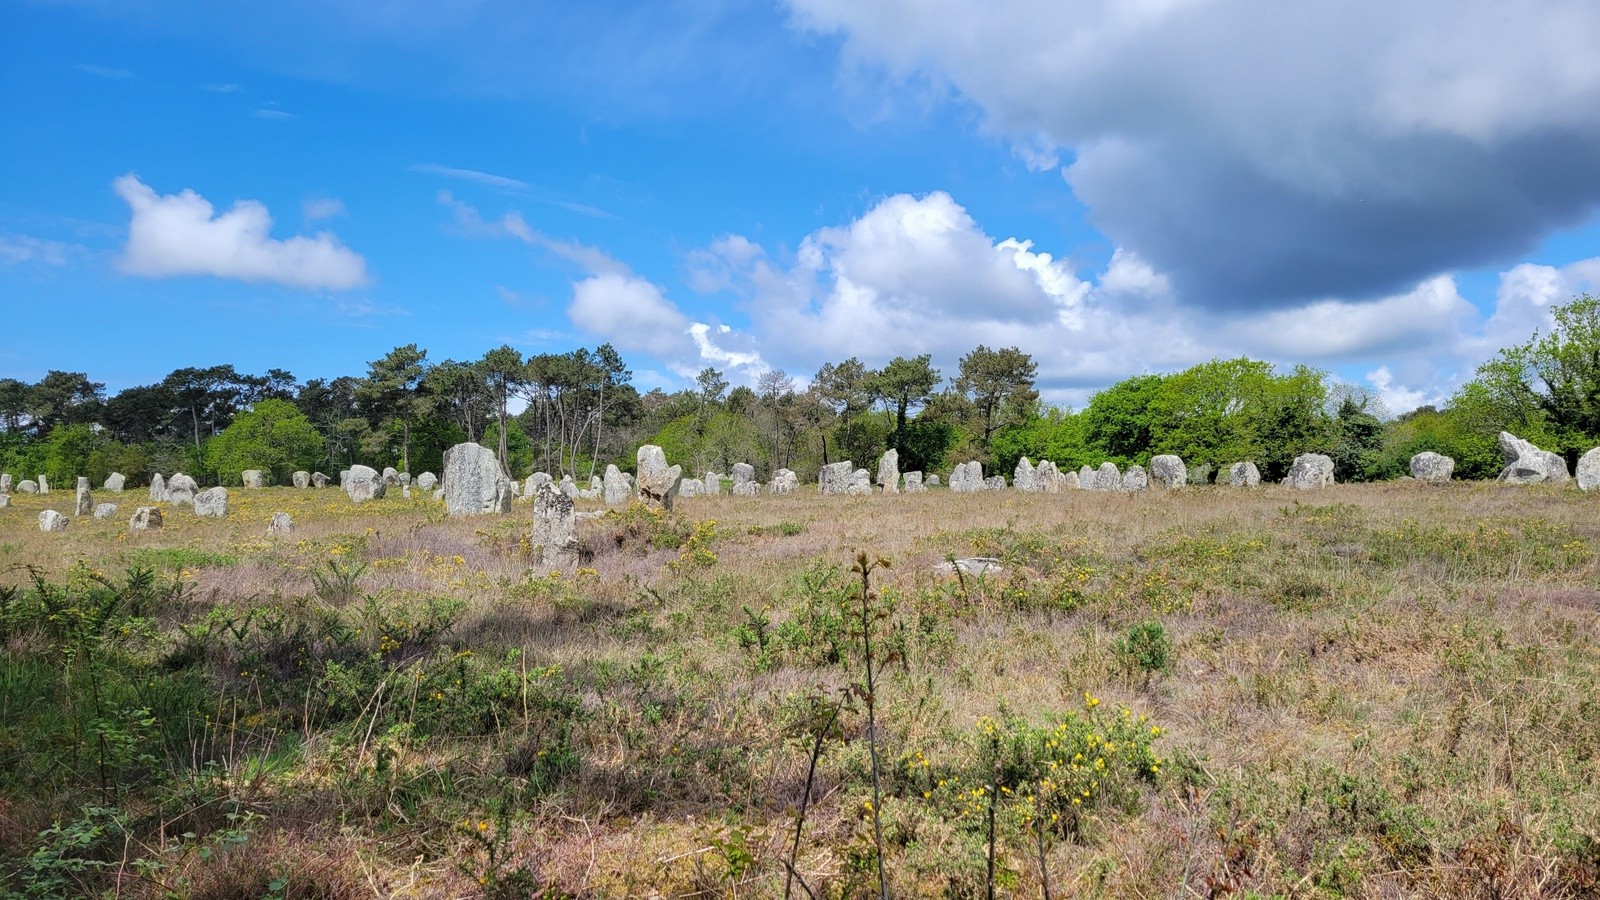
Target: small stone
[
  {"x": 105, "y": 510},
  {"x": 616, "y": 488},
  {"x": 344, "y": 479},
  {"x": 181, "y": 490},
  {"x": 555, "y": 529},
  {"x": 301, "y": 480},
  {"x": 44, "y": 485},
  {"x": 5, "y": 483},
  {"x": 1436, "y": 468},
  {"x": 860, "y": 484},
  {"x": 1309, "y": 471},
  {"x": 27, "y": 486},
  {"x": 363, "y": 483},
  {"x": 747, "y": 489},
  {"x": 281, "y": 525},
  {"x": 691, "y": 487},
  {"x": 145, "y": 518},
  {"x": 994, "y": 483},
  {"x": 115, "y": 482},
  {"x": 967, "y": 478},
  {"x": 405, "y": 479},
  {"x": 971, "y": 565},
  {"x": 50, "y": 520},
  {"x": 933, "y": 480},
  {"x": 889, "y": 471},
  {"x": 913, "y": 483},
  {"x": 319, "y": 480},
  {"x": 743, "y": 473},
  {"x": 391, "y": 477},
  {"x": 253, "y": 479},
  {"x": 1168, "y": 471},
  {"x": 438, "y": 493},
  {"x": 834, "y": 478},
  {"x": 1244, "y": 474},
  {"x": 5, "y": 500},
  {"x": 427, "y": 480},
  {"x": 211, "y": 503}
]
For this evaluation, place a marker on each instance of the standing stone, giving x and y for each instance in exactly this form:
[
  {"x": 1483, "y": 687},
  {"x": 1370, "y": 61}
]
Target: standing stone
[
  {"x": 1106, "y": 478},
  {"x": 44, "y": 484},
  {"x": 281, "y": 525},
  {"x": 212, "y": 503},
  {"x": 115, "y": 482},
  {"x": 405, "y": 490},
  {"x": 933, "y": 480},
  {"x": 994, "y": 483},
  {"x": 474, "y": 485},
  {"x": 1436, "y": 468},
  {"x": 747, "y": 488},
  {"x": 1200, "y": 473},
  {"x": 967, "y": 477},
  {"x": 5, "y": 483},
  {"x": 691, "y": 487},
  {"x": 834, "y": 478},
  {"x": 28, "y": 486},
  {"x": 253, "y": 479},
  {"x": 1069, "y": 480},
  {"x": 105, "y": 510},
  {"x": 889, "y": 471},
  {"x": 1135, "y": 479},
  {"x": 597, "y": 486},
  {"x": 427, "y": 480},
  {"x": 391, "y": 477},
  {"x": 85, "y": 500},
  {"x": 301, "y": 480},
  {"x": 860, "y": 484},
  {"x": 617, "y": 490},
  {"x": 145, "y": 518},
  {"x": 1309, "y": 472},
  {"x": 158, "y": 489},
  {"x": 1244, "y": 474},
  {"x": 743, "y": 473},
  {"x": 181, "y": 490},
  {"x": 405, "y": 479},
  {"x": 344, "y": 479},
  {"x": 50, "y": 520},
  {"x": 1588, "y": 470},
  {"x": 1025, "y": 477},
  {"x": 555, "y": 528},
  {"x": 1086, "y": 477},
  {"x": 363, "y": 483},
  {"x": 319, "y": 480},
  {"x": 5, "y": 500},
  {"x": 568, "y": 487},
  {"x": 1046, "y": 476},
  {"x": 1168, "y": 471},
  {"x": 913, "y": 483},
  {"x": 657, "y": 481},
  {"x": 1527, "y": 464},
  {"x": 784, "y": 481}
]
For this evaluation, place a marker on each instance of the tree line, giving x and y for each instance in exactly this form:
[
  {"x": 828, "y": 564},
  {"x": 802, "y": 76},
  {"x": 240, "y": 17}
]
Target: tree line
[{"x": 572, "y": 413}]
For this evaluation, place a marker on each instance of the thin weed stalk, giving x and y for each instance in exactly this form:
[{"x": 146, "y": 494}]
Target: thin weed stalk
[{"x": 864, "y": 568}]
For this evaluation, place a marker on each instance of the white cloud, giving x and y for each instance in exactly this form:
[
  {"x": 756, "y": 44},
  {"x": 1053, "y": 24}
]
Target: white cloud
[
  {"x": 181, "y": 234},
  {"x": 106, "y": 72},
  {"x": 1262, "y": 153},
  {"x": 488, "y": 179},
  {"x": 16, "y": 249},
  {"x": 1399, "y": 399},
  {"x": 314, "y": 209},
  {"x": 631, "y": 313},
  {"x": 272, "y": 114}
]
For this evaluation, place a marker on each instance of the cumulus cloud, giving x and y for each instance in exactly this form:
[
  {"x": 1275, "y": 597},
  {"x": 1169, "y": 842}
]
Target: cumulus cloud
[
  {"x": 1261, "y": 153},
  {"x": 182, "y": 234}
]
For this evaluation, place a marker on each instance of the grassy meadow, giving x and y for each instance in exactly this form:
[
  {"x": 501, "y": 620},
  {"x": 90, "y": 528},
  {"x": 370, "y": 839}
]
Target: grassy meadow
[{"x": 1379, "y": 690}]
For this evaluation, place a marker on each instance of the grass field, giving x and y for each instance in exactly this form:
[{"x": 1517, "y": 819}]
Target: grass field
[{"x": 1367, "y": 691}]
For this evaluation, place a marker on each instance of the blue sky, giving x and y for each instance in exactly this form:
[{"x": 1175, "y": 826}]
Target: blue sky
[{"x": 1116, "y": 187}]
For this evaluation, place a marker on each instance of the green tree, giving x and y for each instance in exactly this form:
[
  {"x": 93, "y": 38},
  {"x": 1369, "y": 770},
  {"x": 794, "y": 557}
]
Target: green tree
[
  {"x": 67, "y": 452},
  {"x": 64, "y": 398},
  {"x": 273, "y": 436},
  {"x": 1117, "y": 421},
  {"x": 504, "y": 373},
  {"x": 1550, "y": 385},
  {"x": 393, "y": 390},
  {"x": 904, "y": 384},
  {"x": 999, "y": 384}
]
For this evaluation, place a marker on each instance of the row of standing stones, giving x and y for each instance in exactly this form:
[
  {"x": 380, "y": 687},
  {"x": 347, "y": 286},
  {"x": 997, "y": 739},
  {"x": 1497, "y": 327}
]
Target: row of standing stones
[{"x": 475, "y": 484}]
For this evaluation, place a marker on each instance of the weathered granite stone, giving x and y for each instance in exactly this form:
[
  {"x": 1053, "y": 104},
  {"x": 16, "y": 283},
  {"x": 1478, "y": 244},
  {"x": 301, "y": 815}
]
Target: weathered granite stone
[
  {"x": 860, "y": 484},
  {"x": 405, "y": 479},
  {"x": 784, "y": 481},
  {"x": 569, "y": 487},
  {"x": 281, "y": 525},
  {"x": 319, "y": 480},
  {"x": 691, "y": 487},
  {"x": 301, "y": 480},
  {"x": 913, "y": 483},
  {"x": 27, "y": 486},
  {"x": 391, "y": 475},
  {"x": 181, "y": 490},
  {"x": 1244, "y": 474},
  {"x": 1436, "y": 468},
  {"x": 1589, "y": 470},
  {"x": 145, "y": 518},
  {"x": 714, "y": 482},
  {"x": 1168, "y": 471},
  {"x": 747, "y": 488},
  {"x": 474, "y": 484},
  {"x": 994, "y": 483},
  {"x": 211, "y": 503},
  {"x": 85, "y": 500},
  {"x": 1135, "y": 479},
  {"x": 889, "y": 471},
  {"x": 970, "y": 565},
  {"x": 933, "y": 480},
  {"x": 531, "y": 484},
  {"x": 555, "y": 528},
  {"x": 50, "y": 520},
  {"x": 344, "y": 479},
  {"x": 44, "y": 484},
  {"x": 253, "y": 478},
  {"x": 427, "y": 480},
  {"x": 5, "y": 500},
  {"x": 834, "y": 478},
  {"x": 1086, "y": 477},
  {"x": 5, "y": 483},
  {"x": 158, "y": 489},
  {"x": 1046, "y": 476},
  {"x": 1309, "y": 471},
  {"x": 617, "y": 491},
  {"x": 1069, "y": 481},
  {"x": 105, "y": 510},
  {"x": 1527, "y": 464},
  {"x": 405, "y": 490},
  {"x": 657, "y": 481},
  {"x": 1106, "y": 478},
  {"x": 363, "y": 483},
  {"x": 1025, "y": 478},
  {"x": 743, "y": 473},
  {"x": 967, "y": 477},
  {"x": 115, "y": 482},
  {"x": 438, "y": 493}
]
